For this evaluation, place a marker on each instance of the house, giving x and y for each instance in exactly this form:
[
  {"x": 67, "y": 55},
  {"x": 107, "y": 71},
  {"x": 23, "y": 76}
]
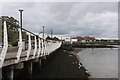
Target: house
[
  {"x": 83, "y": 39},
  {"x": 74, "y": 39},
  {"x": 89, "y": 39},
  {"x": 67, "y": 39}
]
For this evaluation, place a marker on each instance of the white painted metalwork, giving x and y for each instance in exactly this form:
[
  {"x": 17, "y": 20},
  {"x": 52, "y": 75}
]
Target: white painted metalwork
[
  {"x": 42, "y": 50},
  {"x": 19, "y": 46},
  {"x": 47, "y": 48},
  {"x": 29, "y": 46},
  {"x": 39, "y": 45},
  {"x": 35, "y": 49},
  {"x": 44, "y": 47},
  {"x": 5, "y": 46}
]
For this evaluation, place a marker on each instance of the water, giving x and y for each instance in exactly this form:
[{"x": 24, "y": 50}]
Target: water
[{"x": 100, "y": 62}]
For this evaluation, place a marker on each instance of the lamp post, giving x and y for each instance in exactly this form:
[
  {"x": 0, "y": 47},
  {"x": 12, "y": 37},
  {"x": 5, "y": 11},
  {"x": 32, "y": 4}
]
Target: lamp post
[{"x": 21, "y": 18}]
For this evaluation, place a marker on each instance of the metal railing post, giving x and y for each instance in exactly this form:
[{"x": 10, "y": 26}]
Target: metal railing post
[
  {"x": 19, "y": 46},
  {"x": 42, "y": 50},
  {"x": 5, "y": 46},
  {"x": 29, "y": 46},
  {"x": 35, "y": 50},
  {"x": 38, "y": 54}
]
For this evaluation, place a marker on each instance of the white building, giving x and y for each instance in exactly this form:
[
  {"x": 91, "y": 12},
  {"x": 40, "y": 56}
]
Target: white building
[
  {"x": 73, "y": 40},
  {"x": 67, "y": 39}
]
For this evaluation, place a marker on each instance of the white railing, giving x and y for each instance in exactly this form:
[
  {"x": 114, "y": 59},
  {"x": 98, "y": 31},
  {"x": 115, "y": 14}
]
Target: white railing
[
  {"x": 19, "y": 46},
  {"x": 29, "y": 46},
  {"x": 41, "y": 47},
  {"x": 5, "y": 47}
]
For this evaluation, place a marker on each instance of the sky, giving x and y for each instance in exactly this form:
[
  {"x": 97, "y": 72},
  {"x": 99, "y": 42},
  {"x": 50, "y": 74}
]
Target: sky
[{"x": 97, "y": 19}]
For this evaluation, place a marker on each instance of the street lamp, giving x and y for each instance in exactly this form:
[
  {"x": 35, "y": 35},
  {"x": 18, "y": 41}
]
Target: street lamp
[{"x": 21, "y": 18}]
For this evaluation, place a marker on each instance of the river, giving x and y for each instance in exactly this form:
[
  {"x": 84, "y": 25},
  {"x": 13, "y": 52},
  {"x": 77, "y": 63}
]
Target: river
[{"x": 100, "y": 62}]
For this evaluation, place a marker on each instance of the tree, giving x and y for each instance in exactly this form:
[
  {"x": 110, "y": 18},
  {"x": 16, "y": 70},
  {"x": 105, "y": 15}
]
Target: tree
[
  {"x": 12, "y": 28},
  {"x": 56, "y": 39},
  {"x": 48, "y": 38}
]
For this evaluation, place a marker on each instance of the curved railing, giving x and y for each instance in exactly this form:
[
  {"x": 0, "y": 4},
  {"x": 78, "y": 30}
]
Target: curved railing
[{"x": 36, "y": 47}]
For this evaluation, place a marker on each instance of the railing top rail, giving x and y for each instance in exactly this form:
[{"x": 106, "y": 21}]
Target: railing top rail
[{"x": 18, "y": 26}]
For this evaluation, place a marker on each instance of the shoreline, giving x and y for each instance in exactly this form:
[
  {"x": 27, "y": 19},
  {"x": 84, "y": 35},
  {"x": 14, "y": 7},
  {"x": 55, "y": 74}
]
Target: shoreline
[
  {"x": 87, "y": 65},
  {"x": 62, "y": 64},
  {"x": 94, "y": 46},
  {"x": 75, "y": 52}
]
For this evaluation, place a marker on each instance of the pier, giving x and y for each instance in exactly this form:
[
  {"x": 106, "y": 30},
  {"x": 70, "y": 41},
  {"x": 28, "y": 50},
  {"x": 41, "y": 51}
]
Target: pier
[
  {"x": 34, "y": 57},
  {"x": 17, "y": 58}
]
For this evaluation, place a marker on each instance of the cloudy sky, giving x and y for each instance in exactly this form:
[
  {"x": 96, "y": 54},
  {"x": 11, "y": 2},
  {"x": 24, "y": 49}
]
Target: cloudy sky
[{"x": 97, "y": 19}]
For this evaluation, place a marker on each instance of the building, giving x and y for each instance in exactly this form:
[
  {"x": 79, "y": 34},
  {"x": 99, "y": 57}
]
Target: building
[
  {"x": 67, "y": 39},
  {"x": 83, "y": 39},
  {"x": 73, "y": 40}
]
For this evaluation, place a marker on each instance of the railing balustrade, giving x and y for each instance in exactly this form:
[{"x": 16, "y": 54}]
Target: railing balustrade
[{"x": 30, "y": 48}]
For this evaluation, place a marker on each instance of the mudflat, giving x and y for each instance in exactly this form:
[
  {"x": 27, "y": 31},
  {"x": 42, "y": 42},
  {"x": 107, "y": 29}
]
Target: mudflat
[{"x": 62, "y": 64}]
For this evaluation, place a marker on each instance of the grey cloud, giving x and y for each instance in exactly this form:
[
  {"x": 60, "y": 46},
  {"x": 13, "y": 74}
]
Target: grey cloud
[{"x": 97, "y": 19}]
